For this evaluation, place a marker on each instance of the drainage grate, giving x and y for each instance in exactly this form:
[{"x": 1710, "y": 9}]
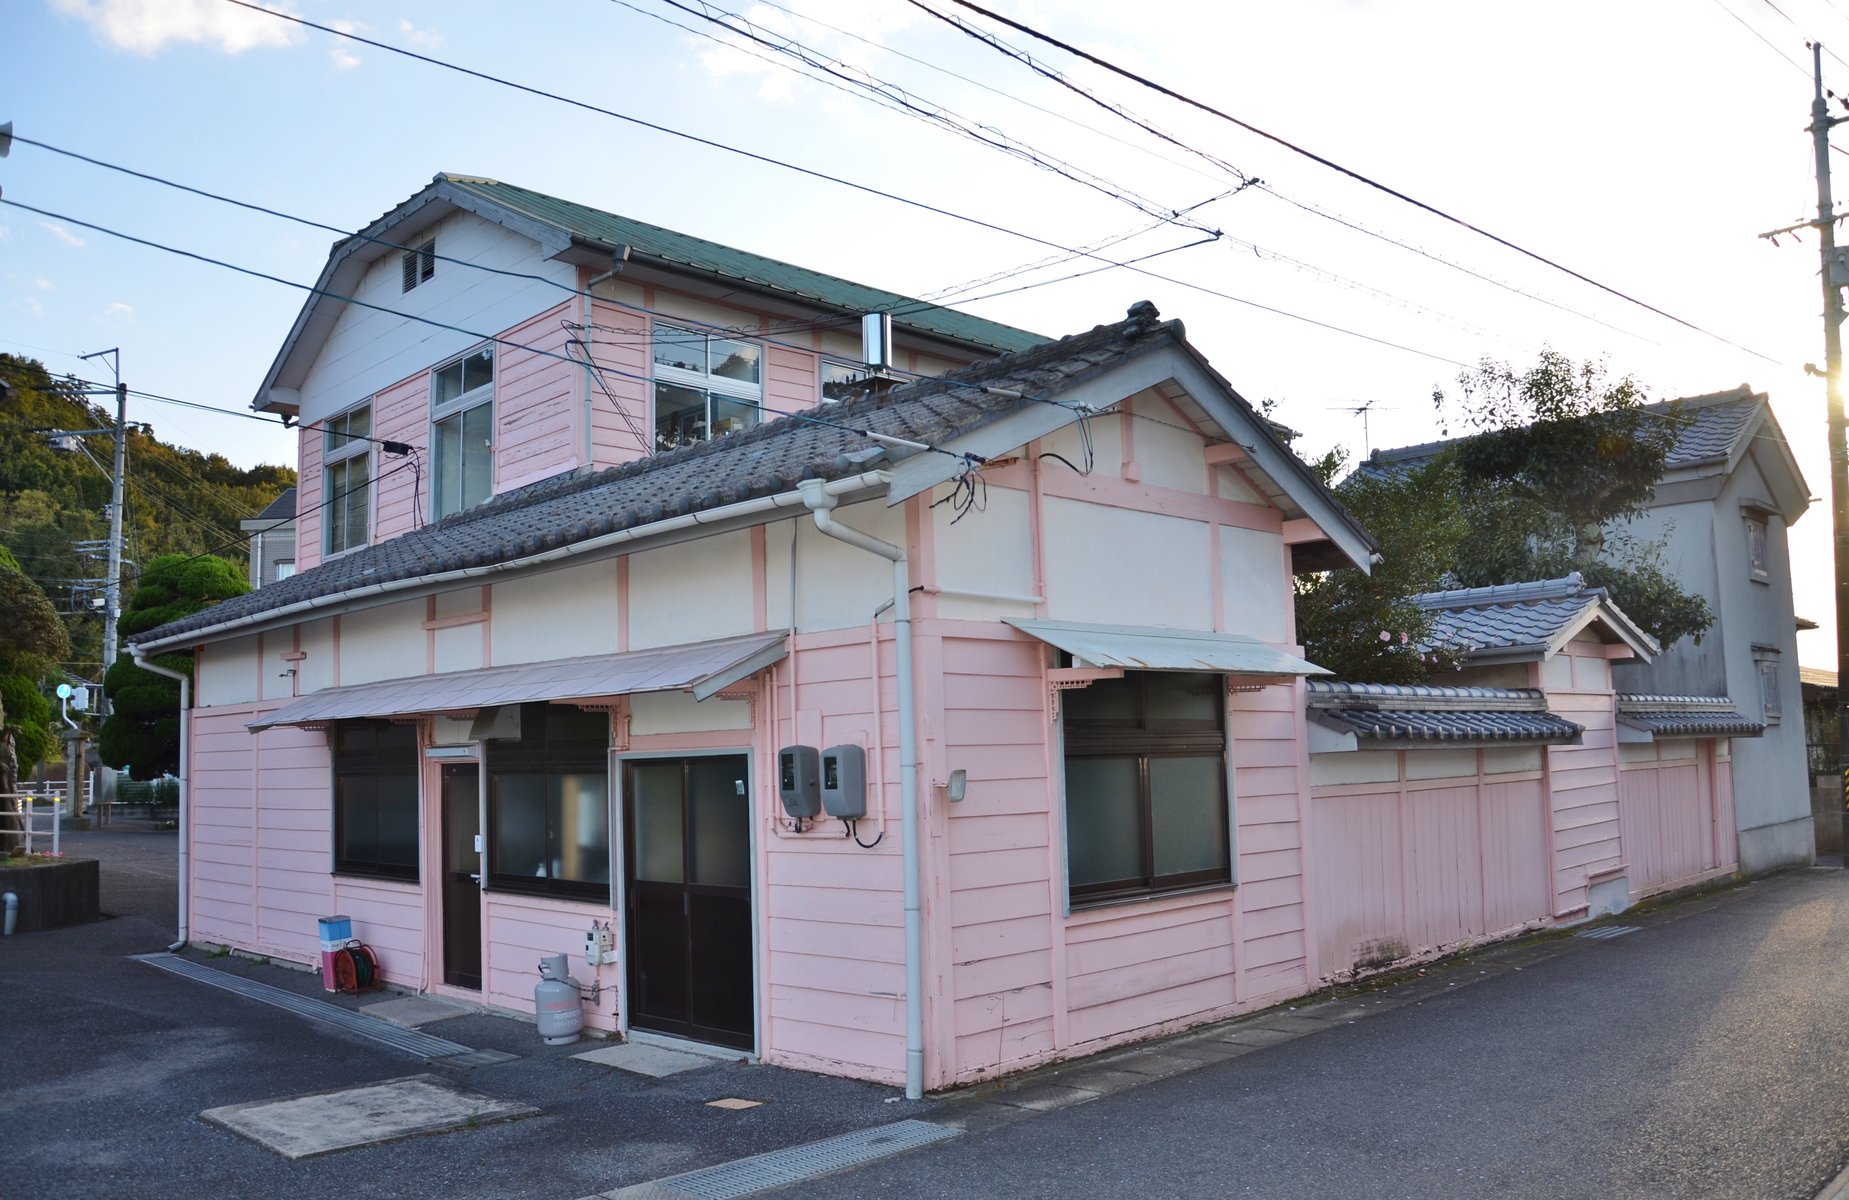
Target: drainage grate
[
  {"x": 412, "y": 1041},
  {"x": 748, "y": 1176},
  {"x": 1608, "y": 931}
]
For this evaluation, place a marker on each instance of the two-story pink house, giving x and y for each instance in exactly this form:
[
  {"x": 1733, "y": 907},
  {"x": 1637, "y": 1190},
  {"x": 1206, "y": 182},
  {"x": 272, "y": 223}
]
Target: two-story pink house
[{"x": 572, "y": 583}]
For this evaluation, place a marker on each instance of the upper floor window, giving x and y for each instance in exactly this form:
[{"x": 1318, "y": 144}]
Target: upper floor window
[
  {"x": 704, "y": 386},
  {"x": 462, "y": 432},
  {"x": 1756, "y": 548},
  {"x": 839, "y": 378},
  {"x": 347, "y": 478},
  {"x": 1765, "y": 658},
  {"x": 1145, "y": 763},
  {"x": 419, "y": 264}
]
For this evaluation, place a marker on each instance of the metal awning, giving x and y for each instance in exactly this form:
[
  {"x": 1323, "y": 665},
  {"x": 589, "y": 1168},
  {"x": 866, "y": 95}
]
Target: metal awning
[
  {"x": 1146, "y": 648},
  {"x": 701, "y": 667}
]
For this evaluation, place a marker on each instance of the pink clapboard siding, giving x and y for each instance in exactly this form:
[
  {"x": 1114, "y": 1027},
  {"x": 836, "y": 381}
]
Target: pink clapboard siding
[
  {"x": 259, "y": 834},
  {"x": 1583, "y": 780},
  {"x": 1030, "y": 982},
  {"x": 620, "y": 400},
  {"x": 1671, "y": 813},
  {"x": 790, "y": 381},
  {"x": 831, "y": 934},
  {"x": 539, "y": 403},
  {"x": 1000, "y": 840},
  {"x": 309, "y": 486},
  {"x": 1409, "y": 868},
  {"x": 521, "y": 930},
  {"x": 401, "y": 489}
]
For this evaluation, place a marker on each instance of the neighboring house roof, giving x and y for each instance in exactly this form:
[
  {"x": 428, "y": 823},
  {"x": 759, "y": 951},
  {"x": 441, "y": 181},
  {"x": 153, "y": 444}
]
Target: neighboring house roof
[
  {"x": 986, "y": 409},
  {"x": 1817, "y": 677},
  {"x": 1515, "y": 622},
  {"x": 1714, "y": 430},
  {"x": 1683, "y": 716},
  {"x": 1422, "y": 714},
  {"x": 580, "y": 234},
  {"x": 276, "y": 514}
]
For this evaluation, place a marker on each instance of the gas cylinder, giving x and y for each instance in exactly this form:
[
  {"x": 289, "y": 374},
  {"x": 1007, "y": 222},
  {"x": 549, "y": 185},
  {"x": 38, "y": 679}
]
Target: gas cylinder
[{"x": 556, "y": 1003}]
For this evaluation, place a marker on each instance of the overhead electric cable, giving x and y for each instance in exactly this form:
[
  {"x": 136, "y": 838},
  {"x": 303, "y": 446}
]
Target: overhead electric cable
[{"x": 1349, "y": 172}]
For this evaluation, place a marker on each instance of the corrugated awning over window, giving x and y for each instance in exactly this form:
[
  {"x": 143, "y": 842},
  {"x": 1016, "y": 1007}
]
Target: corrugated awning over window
[
  {"x": 1146, "y": 648},
  {"x": 701, "y": 667}
]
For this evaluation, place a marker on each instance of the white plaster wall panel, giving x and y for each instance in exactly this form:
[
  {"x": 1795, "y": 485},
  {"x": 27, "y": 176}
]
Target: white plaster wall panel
[
  {"x": 1507, "y": 760},
  {"x": 370, "y": 350},
  {"x": 987, "y": 551},
  {"x": 317, "y": 665},
  {"x": 1252, "y": 584},
  {"x": 679, "y": 712},
  {"x": 1119, "y": 567},
  {"x": 1592, "y": 674},
  {"x": 1440, "y": 764},
  {"x": 1557, "y": 673},
  {"x": 1166, "y": 456},
  {"x": 778, "y": 539},
  {"x": 692, "y": 592},
  {"x": 278, "y": 675},
  {"x": 568, "y": 613},
  {"x": 1636, "y": 752},
  {"x": 1674, "y": 749},
  {"x": 837, "y": 585},
  {"x": 461, "y": 648},
  {"x": 1361, "y": 766},
  {"x": 1230, "y": 485},
  {"x": 383, "y": 643},
  {"x": 459, "y": 603},
  {"x": 450, "y": 731},
  {"x": 1107, "y": 445},
  {"x": 227, "y": 672}
]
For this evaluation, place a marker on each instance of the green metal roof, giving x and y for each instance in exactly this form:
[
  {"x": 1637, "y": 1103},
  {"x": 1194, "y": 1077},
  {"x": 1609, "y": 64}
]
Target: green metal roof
[{"x": 698, "y": 254}]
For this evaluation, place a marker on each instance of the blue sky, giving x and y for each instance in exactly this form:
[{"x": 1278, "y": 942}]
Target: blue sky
[{"x": 1643, "y": 144}]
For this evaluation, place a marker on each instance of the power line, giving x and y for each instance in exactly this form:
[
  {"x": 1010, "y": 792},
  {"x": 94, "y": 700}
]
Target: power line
[
  {"x": 898, "y": 99},
  {"x": 1352, "y": 174},
  {"x": 806, "y": 171}
]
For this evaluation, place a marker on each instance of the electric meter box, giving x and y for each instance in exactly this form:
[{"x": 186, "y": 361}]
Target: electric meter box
[
  {"x": 844, "y": 782},
  {"x": 799, "y": 780}
]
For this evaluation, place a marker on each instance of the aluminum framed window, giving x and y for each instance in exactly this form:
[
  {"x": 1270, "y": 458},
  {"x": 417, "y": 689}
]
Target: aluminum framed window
[
  {"x": 346, "y": 478},
  {"x": 1146, "y": 807},
  {"x": 375, "y": 799},
  {"x": 705, "y": 385},
  {"x": 462, "y": 433},
  {"x": 549, "y": 805}
]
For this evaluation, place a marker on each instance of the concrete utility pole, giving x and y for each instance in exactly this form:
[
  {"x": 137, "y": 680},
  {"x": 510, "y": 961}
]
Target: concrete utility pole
[
  {"x": 1834, "y": 277},
  {"x": 112, "y": 582}
]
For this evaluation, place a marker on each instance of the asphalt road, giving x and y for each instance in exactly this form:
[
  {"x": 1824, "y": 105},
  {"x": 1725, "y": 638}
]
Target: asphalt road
[{"x": 1706, "y": 1055}]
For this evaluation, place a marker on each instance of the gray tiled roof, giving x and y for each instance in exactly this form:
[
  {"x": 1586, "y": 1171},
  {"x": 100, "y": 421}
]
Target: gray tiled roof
[
  {"x": 1709, "y": 428},
  {"x": 280, "y": 509},
  {"x": 1462, "y": 715},
  {"x": 823, "y": 443},
  {"x": 1520, "y": 617},
  {"x": 1685, "y": 716}
]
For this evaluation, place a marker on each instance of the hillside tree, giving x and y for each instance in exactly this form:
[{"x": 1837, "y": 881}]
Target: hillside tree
[{"x": 32, "y": 639}]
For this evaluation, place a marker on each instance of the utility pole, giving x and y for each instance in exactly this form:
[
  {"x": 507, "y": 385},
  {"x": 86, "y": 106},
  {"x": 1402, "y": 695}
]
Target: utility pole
[
  {"x": 112, "y": 582},
  {"x": 1821, "y": 123}
]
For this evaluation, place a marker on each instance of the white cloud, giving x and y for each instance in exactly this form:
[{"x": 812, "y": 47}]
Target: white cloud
[
  {"x": 428, "y": 39},
  {"x": 150, "y": 26},
  {"x": 62, "y": 234},
  {"x": 43, "y": 284},
  {"x": 31, "y": 305},
  {"x": 119, "y": 309},
  {"x": 342, "y": 52}
]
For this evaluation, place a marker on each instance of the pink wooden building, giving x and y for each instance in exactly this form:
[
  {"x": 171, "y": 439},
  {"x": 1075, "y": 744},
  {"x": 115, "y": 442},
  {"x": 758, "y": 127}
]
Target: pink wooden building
[
  {"x": 1529, "y": 795},
  {"x": 572, "y": 583}
]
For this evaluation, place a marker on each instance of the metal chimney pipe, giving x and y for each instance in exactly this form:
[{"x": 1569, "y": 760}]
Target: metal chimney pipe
[{"x": 876, "y": 341}]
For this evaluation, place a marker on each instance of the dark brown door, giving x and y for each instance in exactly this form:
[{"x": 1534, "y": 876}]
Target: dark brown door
[
  {"x": 688, "y": 851},
  {"x": 462, "y": 881}
]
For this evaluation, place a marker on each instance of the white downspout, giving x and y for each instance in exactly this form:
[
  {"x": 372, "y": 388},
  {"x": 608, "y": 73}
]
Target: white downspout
[
  {"x": 186, "y": 738},
  {"x": 819, "y": 500}
]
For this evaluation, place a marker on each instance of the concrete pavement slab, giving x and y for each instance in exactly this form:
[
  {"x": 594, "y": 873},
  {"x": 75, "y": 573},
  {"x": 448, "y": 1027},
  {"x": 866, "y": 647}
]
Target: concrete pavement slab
[
  {"x": 342, "y": 1119},
  {"x": 413, "y": 1011},
  {"x": 643, "y": 1059}
]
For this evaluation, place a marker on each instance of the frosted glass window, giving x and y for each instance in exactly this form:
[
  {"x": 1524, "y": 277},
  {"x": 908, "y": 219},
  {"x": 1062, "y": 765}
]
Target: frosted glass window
[
  {"x": 660, "y": 824},
  {"x": 549, "y": 804},
  {"x": 1103, "y": 826},
  {"x": 721, "y": 826},
  {"x": 1187, "y": 814}
]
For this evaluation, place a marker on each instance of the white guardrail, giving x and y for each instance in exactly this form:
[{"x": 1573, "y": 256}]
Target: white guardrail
[{"x": 40, "y": 816}]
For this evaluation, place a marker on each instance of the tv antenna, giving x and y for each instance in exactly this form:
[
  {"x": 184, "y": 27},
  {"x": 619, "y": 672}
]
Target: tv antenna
[{"x": 1363, "y": 408}]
